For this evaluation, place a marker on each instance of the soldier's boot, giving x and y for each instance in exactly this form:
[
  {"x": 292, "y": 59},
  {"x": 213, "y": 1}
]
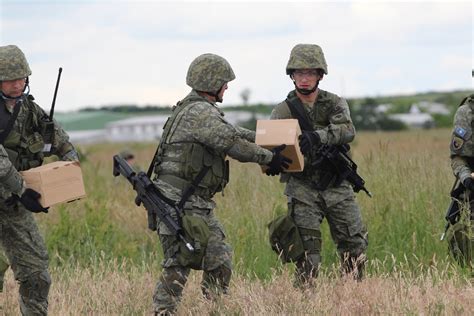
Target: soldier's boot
[
  {"x": 216, "y": 282},
  {"x": 34, "y": 292},
  {"x": 169, "y": 289},
  {"x": 307, "y": 270},
  {"x": 353, "y": 266}
]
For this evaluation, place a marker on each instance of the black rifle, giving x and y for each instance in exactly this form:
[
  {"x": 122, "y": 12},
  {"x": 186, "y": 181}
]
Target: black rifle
[
  {"x": 453, "y": 211},
  {"x": 333, "y": 160},
  {"x": 48, "y": 123},
  {"x": 152, "y": 200},
  {"x": 339, "y": 167}
]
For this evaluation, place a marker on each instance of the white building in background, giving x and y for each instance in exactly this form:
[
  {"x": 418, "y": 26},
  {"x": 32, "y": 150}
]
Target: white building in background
[
  {"x": 415, "y": 118},
  {"x": 140, "y": 128},
  {"x": 143, "y": 128}
]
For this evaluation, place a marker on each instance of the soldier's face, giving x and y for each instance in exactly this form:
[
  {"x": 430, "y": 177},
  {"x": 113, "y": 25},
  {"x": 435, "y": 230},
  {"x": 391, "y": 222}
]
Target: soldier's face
[
  {"x": 13, "y": 88},
  {"x": 306, "y": 78},
  {"x": 220, "y": 95}
]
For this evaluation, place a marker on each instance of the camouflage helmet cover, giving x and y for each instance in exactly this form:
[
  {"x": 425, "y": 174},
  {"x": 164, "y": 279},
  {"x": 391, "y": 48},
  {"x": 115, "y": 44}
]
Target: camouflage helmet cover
[
  {"x": 13, "y": 63},
  {"x": 208, "y": 73},
  {"x": 306, "y": 56}
]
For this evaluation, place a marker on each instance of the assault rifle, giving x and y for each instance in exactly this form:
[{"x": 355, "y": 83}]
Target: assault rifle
[
  {"x": 453, "y": 211},
  {"x": 341, "y": 167},
  {"x": 152, "y": 199},
  {"x": 48, "y": 123}
]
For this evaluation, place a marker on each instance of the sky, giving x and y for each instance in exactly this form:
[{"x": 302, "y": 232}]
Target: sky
[{"x": 138, "y": 52}]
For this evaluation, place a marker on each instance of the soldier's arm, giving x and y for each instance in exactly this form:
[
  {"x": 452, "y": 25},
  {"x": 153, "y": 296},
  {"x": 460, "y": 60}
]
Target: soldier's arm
[
  {"x": 246, "y": 134},
  {"x": 212, "y": 130},
  {"x": 461, "y": 133},
  {"x": 340, "y": 130},
  {"x": 460, "y": 168},
  {"x": 10, "y": 178}
]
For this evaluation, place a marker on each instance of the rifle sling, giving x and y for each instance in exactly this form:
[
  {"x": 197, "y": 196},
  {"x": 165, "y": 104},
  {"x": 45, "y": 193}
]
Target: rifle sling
[
  {"x": 193, "y": 186},
  {"x": 297, "y": 111},
  {"x": 10, "y": 123}
]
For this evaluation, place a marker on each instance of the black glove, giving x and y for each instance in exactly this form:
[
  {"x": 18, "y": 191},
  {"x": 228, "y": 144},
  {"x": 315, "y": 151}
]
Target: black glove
[
  {"x": 309, "y": 140},
  {"x": 469, "y": 184},
  {"x": 279, "y": 162},
  {"x": 29, "y": 199}
]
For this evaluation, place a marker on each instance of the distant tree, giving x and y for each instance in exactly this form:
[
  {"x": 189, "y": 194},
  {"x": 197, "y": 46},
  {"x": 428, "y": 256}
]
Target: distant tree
[{"x": 245, "y": 95}]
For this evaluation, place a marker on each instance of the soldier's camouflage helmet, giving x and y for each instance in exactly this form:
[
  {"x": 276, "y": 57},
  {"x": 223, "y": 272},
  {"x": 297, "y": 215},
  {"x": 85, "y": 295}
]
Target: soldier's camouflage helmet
[
  {"x": 208, "y": 73},
  {"x": 306, "y": 56},
  {"x": 13, "y": 63}
]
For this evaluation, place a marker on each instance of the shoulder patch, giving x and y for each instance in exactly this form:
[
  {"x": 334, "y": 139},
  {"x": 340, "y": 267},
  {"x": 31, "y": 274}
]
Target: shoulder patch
[
  {"x": 460, "y": 132},
  {"x": 457, "y": 143}
]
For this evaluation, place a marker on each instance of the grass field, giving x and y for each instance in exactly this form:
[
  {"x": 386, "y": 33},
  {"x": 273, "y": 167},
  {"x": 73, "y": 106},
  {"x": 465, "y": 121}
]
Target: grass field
[{"x": 104, "y": 261}]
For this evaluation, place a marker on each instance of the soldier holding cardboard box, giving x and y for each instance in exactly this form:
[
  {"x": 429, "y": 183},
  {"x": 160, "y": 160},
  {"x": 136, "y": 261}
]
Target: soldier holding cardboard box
[
  {"x": 23, "y": 131},
  {"x": 309, "y": 202}
]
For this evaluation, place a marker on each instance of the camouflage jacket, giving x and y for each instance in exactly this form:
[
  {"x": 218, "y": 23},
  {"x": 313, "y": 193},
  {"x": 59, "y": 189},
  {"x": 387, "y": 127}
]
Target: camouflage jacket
[
  {"x": 331, "y": 119},
  {"x": 10, "y": 180},
  {"x": 462, "y": 140},
  {"x": 24, "y": 144},
  {"x": 202, "y": 123}
]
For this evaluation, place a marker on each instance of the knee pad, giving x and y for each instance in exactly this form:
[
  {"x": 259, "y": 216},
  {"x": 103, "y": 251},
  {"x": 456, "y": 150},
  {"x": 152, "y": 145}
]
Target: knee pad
[{"x": 36, "y": 286}]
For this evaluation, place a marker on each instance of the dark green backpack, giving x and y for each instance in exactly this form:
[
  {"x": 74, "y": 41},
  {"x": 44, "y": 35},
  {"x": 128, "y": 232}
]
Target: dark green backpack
[
  {"x": 285, "y": 238},
  {"x": 197, "y": 233}
]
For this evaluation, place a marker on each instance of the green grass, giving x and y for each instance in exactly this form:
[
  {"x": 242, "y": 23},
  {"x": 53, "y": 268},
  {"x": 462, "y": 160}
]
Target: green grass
[{"x": 408, "y": 174}]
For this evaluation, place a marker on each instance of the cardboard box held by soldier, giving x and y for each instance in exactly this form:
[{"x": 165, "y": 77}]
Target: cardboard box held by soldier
[
  {"x": 272, "y": 133},
  {"x": 57, "y": 182}
]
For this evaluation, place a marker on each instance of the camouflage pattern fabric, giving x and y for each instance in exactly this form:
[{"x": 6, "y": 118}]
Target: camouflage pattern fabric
[
  {"x": 200, "y": 122},
  {"x": 10, "y": 180},
  {"x": 13, "y": 63},
  {"x": 331, "y": 119},
  {"x": 306, "y": 56},
  {"x": 26, "y": 251},
  {"x": 3, "y": 267},
  {"x": 462, "y": 140},
  {"x": 19, "y": 234},
  {"x": 24, "y": 144},
  {"x": 208, "y": 73}
]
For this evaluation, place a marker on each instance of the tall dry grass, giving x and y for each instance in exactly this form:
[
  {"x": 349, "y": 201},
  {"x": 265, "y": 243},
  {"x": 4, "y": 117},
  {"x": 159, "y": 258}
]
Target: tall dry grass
[{"x": 104, "y": 260}]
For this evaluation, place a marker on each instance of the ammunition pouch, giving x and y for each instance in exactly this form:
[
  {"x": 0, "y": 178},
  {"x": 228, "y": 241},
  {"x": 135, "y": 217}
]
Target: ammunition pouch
[
  {"x": 285, "y": 238},
  {"x": 197, "y": 233}
]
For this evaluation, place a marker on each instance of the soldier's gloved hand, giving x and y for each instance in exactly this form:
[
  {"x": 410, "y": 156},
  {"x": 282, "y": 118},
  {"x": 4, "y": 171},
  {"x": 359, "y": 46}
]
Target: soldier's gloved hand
[
  {"x": 29, "y": 199},
  {"x": 279, "y": 162},
  {"x": 309, "y": 140},
  {"x": 469, "y": 184}
]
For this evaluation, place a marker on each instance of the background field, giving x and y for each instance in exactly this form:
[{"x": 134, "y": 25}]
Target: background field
[{"x": 105, "y": 261}]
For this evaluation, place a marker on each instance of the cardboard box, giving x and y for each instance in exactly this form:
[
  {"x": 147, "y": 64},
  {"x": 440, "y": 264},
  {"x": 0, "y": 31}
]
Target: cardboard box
[
  {"x": 272, "y": 133},
  {"x": 57, "y": 182}
]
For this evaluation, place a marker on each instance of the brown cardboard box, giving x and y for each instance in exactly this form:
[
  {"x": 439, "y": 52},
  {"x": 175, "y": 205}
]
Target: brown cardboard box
[
  {"x": 272, "y": 133},
  {"x": 57, "y": 182}
]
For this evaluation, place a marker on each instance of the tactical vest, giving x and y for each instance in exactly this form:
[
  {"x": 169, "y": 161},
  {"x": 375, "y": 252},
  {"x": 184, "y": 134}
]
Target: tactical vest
[
  {"x": 24, "y": 144},
  {"x": 188, "y": 158},
  {"x": 315, "y": 170}
]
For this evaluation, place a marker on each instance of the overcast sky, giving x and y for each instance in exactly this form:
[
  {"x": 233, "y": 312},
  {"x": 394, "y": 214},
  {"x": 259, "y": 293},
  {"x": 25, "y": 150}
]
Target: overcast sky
[{"x": 138, "y": 52}]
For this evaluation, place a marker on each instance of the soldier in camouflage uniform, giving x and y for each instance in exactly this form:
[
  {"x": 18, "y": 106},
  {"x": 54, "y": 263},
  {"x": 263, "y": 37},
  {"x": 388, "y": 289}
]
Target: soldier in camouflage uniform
[
  {"x": 197, "y": 135},
  {"x": 460, "y": 235},
  {"x": 25, "y": 147},
  {"x": 307, "y": 203}
]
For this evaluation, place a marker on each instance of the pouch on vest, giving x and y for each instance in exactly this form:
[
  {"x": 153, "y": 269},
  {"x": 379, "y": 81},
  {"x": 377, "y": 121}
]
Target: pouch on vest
[
  {"x": 197, "y": 232},
  {"x": 285, "y": 238}
]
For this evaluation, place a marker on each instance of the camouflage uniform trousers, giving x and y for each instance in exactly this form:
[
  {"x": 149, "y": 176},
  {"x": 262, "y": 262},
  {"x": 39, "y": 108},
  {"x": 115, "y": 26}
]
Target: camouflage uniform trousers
[
  {"x": 216, "y": 266},
  {"x": 347, "y": 231},
  {"x": 3, "y": 267},
  {"x": 26, "y": 251}
]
